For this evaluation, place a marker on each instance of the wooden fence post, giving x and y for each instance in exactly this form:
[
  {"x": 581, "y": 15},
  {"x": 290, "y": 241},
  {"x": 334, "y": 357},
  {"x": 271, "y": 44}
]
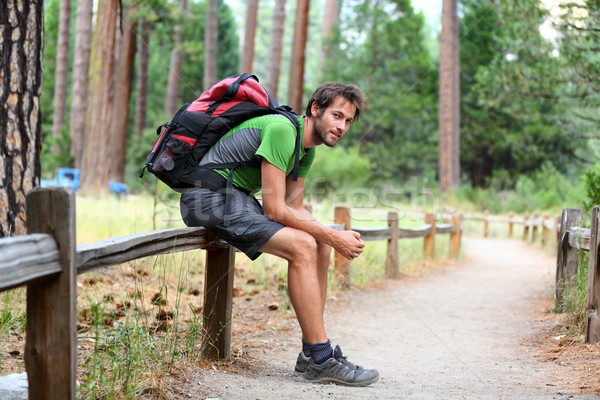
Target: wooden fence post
[
  {"x": 525, "y": 226},
  {"x": 545, "y": 230},
  {"x": 510, "y": 224},
  {"x": 455, "y": 236},
  {"x": 566, "y": 260},
  {"x": 486, "y": 223},
  {"x": 51, "y": 345},
  {"x": 341, "y": 263},
  {"x": 391, "y": 268},
  {"x": 429, "y": 240},
  {"x": 592, "y": 326},
  {"x": 534, "y": 227},
  {"x": 218, "y": 293}
]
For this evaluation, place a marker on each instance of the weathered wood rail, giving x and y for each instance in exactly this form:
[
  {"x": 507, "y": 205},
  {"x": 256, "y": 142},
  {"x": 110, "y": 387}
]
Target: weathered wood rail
[
  {"x": 48, "y": 260},
  {"x": 531, "y": 225},
  {"x": 392, "y": 233},
  {"x": 574, "y": 240}
]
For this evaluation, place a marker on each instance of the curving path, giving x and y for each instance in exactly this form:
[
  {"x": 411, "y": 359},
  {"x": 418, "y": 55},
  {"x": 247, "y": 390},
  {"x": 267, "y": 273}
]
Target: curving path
[{"x": 457, "y": 333}]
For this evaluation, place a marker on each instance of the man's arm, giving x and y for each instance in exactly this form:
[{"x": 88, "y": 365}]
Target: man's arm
[{"x": 282, "y": 202}]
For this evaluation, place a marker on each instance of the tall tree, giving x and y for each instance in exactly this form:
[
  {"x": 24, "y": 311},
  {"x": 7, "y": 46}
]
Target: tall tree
[
  {"x": 449, "y": 108},
  {"x": 141, "y": 87},
  {"x": 126, "y": 46},
  {"x": 210, "y": 44},
  {"x": 173, "y": 85},
  {"x": 81, "y": 64},
  {"x": 62, "y": 68},
  {"x": 298, "y": 56},
  {"x": 249, "y": 33},
  {"x": 331, "y": 17},
  {"x": 20, "y": 120},
  {"x": 99, "y": 155},
  {"x": 275, "y": 47}
]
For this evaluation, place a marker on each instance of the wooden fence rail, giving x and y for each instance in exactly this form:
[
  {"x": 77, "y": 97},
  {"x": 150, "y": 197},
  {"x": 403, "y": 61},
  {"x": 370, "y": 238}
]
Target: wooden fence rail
[
  {"x": 574, "y": 240},
  {"x": 392, "y": 233},
  {"x": 47, "y": 261},
  {"x": 532, "y": 224}
]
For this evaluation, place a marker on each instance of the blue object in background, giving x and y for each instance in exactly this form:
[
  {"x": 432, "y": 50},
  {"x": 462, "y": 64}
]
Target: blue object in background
[
  {"x": 117, "y": 187},
  {"x": 68, "y": 177}
]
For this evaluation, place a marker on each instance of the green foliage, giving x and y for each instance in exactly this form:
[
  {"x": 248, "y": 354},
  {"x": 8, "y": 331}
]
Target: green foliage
[
  {"x": 545, "y": 189},
  {"x": 591, "y": 180},
  {"x": 338, "y": 168},
  {"x": 509, "y": 112},
  {"x": 381, "y": 48}
]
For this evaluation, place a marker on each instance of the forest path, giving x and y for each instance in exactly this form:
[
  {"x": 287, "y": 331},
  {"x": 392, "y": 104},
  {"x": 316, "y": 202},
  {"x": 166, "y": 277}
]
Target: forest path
[{"x": 462, "y": 332}]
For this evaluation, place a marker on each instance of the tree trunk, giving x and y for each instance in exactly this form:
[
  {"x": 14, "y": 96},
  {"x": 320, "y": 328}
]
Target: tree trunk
[
  {"x": 298, "y": 56},
  {"x": 275, "y": 48},
  {"x": 210, "y": 40},
  {"x": 142, "y": 79},
  {"x": 250, "y": 31},
  {"x": 171, "y": 104},
  {"x": 62, "y": 68},
  {"x": 332, "y": 15},
  {"x": 95, "y": 170},
  {"x": 81, "y": 65},
  {"x": 449, "y": 107},
  {"x": 20, "y": 121},
  {"x": 122, "y": 89}
]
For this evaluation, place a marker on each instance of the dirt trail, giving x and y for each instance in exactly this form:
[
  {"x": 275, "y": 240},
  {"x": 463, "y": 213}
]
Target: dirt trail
[{"x": 459, "y": 333}]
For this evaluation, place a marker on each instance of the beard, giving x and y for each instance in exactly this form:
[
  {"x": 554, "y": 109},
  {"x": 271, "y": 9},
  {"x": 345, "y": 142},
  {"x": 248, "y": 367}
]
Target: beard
[{"x": 323, "y": 134}]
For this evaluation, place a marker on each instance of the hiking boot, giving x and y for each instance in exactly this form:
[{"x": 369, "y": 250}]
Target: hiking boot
[
  {"x": 340, "y": 371},
  {"x": 301, "y": 363}
]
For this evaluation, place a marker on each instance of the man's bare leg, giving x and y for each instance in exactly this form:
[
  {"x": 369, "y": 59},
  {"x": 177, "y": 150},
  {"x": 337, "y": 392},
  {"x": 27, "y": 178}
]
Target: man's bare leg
[{"x": 304, "y": 279}]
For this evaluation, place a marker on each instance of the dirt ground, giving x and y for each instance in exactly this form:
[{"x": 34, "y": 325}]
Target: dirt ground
[{"x": 476, "y": 329}]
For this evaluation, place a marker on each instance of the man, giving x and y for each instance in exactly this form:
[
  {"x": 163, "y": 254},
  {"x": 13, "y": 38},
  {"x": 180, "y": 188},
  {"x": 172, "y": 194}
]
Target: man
[{"x": 282, "y": 226}]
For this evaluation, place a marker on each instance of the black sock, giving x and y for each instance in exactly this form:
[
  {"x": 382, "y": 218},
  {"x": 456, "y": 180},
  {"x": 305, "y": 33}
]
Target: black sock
[
  {"x": 321, "y": 352},
  {"x": 305, "y": 348}
]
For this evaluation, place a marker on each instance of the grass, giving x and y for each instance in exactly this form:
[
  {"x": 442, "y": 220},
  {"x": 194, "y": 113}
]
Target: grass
[{"x": 141, "y": 322}]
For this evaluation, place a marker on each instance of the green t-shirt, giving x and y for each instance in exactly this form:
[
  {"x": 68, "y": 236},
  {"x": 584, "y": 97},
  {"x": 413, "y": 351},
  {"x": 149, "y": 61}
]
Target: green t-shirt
[{"x": 272, "y": 137}]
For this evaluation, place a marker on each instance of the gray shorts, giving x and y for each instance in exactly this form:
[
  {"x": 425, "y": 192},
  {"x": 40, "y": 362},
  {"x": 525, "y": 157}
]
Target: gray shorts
[{"x": 249, "y": 229}]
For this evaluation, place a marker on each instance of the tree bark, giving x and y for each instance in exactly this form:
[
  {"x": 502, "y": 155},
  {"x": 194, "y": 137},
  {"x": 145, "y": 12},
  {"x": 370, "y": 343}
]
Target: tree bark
[
  {"x": 81, "y": 65},
  {"x": 98, "y": 155},
  {"x": 275, "y": 48},
  {"x": 21, "y": 33},
  {"x": 332, "y": 15},
  {"x": 449, "y": 107},
  {"x": 249, "y": 33},
  {"x": 142, "y": 79},
  {"x": 62, "y": 68},
  {"x": 120, "y": 114},
  {"x": 210, "y": 40},
  {"x": 298, "y": 56},
  {"x": 175, "y": 66}
]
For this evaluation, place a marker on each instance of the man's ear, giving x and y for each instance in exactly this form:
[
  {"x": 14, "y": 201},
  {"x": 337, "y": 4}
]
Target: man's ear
[{"x": 314, "y": 109}]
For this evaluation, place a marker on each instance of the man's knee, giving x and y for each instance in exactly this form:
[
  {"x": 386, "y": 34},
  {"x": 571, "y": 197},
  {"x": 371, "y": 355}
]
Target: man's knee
[{"x": 304, "y": 248}]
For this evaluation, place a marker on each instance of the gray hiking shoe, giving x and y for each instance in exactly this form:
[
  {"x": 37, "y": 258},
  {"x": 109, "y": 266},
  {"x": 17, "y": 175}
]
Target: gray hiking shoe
[
  {"x": 301, "y": 363},
  {"x": 340, "y": 371}
]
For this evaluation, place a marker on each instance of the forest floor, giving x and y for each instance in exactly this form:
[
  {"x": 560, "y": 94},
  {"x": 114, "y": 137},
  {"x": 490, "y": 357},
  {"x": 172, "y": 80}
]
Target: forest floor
[{"x": 479, "y": 328}]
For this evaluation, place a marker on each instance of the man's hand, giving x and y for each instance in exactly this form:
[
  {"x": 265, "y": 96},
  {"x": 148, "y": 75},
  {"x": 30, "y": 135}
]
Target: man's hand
[{"x": 348, "y": 243}]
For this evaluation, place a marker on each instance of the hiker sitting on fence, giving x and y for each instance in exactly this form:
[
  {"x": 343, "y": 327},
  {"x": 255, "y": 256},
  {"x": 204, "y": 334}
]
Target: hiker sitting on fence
[{"x": 224, "y": 204}]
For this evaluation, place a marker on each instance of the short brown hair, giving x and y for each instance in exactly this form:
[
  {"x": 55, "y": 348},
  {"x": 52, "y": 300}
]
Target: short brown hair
[{"x": 326, "y": 94}]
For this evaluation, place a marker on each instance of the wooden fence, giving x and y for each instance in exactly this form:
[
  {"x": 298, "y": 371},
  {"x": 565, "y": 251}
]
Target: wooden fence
[
  {"x": 533, "y": 225},
  {"x": 47, "y": 261},
  {"x": 574, "y": 240},
  {"x": 392, "y": 233}
]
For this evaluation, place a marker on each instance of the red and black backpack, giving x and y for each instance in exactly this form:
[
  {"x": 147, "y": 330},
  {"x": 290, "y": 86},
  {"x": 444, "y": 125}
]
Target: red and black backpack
[{"x": 196, "y": 127}]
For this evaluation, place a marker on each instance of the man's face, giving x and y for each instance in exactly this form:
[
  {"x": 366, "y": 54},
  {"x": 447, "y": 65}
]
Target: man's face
[{"x": 332, "y": 123}]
